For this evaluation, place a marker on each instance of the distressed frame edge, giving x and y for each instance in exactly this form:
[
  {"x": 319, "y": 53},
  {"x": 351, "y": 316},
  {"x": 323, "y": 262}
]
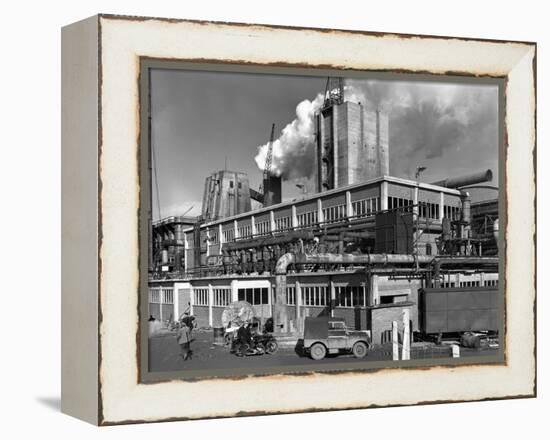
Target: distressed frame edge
[
  {"x": 80, "y": 220},
  {"x": 533, "y": 152}
]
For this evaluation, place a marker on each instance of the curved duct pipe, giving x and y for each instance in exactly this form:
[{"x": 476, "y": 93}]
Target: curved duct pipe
[
  {"x": 283, "y": 263},
  {"x": 469, "y": 179}
]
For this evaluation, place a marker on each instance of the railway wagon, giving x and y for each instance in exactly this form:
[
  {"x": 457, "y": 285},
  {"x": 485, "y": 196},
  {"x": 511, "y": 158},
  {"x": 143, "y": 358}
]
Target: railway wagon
[{"x": 458, "y": 310}]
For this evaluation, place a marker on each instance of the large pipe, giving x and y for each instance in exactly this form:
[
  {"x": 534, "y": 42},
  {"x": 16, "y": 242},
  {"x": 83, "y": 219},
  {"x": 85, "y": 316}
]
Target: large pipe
[
  {"x": 361, "y": 259},
  {"x": 290, "y": 258},
  {"x": 383, "y": 259},
  {"x": 469, "y": 179},
  {"x": 288, "y": 237}
]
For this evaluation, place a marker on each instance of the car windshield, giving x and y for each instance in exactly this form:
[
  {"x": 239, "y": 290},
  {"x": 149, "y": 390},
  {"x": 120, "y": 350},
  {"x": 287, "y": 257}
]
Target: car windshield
[{"x": 337, "y": 325}]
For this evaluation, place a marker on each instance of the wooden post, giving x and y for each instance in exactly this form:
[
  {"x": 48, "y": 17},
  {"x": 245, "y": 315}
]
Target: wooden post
[
  {"x": 395, "y": 340},
  {"x": 406, "y": 351}
]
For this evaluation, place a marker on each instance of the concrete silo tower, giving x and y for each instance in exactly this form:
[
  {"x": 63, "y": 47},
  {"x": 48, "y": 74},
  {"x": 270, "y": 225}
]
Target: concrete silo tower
[{"x": 352, "y": 140}]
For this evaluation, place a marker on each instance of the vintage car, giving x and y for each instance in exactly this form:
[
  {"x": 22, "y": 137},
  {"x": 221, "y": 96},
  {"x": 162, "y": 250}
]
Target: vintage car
[{"x": 324, "y": 335}]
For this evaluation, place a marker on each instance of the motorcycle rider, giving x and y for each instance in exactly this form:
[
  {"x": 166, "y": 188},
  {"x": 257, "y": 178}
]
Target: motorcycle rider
[{"x": 244, "y": 337}]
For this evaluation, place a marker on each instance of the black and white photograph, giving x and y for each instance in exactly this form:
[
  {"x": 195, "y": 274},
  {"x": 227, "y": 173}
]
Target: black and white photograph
[
  {"x": 301, "y": 222},
  {"x": 274, "y": 219}
]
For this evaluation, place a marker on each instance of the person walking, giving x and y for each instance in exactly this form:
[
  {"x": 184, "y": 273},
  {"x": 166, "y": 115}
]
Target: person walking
[{"x": 183, "y": 337}]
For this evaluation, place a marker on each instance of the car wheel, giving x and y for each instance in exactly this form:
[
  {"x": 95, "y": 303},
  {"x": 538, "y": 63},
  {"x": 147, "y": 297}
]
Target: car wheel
[
  {"x": 317, "y": 351},
  {"x": 360, "y": 350},
  {"x": 271, "y": 347}
]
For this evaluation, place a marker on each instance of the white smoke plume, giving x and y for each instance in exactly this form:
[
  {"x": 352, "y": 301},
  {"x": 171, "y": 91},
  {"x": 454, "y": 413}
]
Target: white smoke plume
[
  {"x": 427, "y": 121},
  {"x": 293, "y": 149}
]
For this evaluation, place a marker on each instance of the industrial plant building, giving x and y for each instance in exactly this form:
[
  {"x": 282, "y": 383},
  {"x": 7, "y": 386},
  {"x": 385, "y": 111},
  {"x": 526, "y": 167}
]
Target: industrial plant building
[
  {"x": 361, "y": 248},
  {"x": 235, "y": 258}
]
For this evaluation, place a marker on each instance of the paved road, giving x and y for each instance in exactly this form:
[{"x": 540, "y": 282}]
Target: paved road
[{"x": 164, "y": 355}]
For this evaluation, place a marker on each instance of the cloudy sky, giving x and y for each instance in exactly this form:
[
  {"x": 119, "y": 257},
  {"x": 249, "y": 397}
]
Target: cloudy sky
[{"x": 201, "y": 120}]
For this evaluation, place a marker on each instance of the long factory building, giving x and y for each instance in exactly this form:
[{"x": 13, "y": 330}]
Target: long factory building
[{"x": 220, "y": 267}]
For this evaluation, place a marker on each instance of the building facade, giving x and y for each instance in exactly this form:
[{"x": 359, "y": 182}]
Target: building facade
[{"x": 233, "y": 258}]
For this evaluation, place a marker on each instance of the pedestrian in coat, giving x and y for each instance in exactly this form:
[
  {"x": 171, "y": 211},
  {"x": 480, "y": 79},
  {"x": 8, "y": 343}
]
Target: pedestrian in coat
[{"x": 184, "y": 340}]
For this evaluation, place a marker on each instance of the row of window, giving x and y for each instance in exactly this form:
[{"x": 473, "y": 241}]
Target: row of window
[
  {"x": 308, "y": 218},
  {"x": 254, "y": 296},
  {"x": 351, "y": 296},
  {"x": 360, "y": 208},
  {"x": 262, "y": 228},
  {"x": 398, "y": 202},
  {"x": 222, "y": 297},
  {"x": 365, "y": 207},
  {"x": 244, "y": 231},
  {"x": 452, "y": 212},
  {"x": 228, "y": 235},
  {"x": 334, "y": 213},
  {"x": 200, "y": 297},
  {"x": 346, "y": 296},
  {"x": 161, "y": 296},
  {"x": 425, "y": 210},
  {"x": 428, "y": 210},
  {"x": 491, "y": 283},
  {"x": 283, "y": 223},
  {"x": 313, "y": 296},
  {"x": 291, "y": 295}
]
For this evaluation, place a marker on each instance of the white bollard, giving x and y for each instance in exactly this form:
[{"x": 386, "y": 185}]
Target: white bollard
[
  {"x": 395, "y": 340},
  {"x": 456, "y": 350},
  {"x": 406, "y": 352}
]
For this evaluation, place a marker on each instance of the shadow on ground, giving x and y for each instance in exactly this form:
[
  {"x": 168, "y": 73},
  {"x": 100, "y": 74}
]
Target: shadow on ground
[{"x": 52, "y": 403}]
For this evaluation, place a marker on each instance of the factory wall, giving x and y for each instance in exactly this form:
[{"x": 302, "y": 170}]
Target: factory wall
[
  {"x": 394, "y": 296},
  {"x": 371, "y": 192}
]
